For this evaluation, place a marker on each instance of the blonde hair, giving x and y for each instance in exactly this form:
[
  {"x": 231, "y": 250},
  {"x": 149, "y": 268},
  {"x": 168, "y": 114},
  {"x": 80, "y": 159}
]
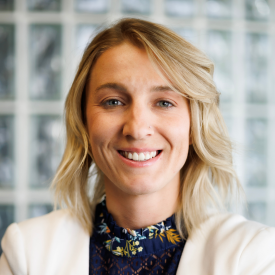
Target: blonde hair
[{"x": 206, "y": 177}]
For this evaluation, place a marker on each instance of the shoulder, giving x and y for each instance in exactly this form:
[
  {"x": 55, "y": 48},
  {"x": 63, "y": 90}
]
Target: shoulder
[
  {"x": 232, "y": 225},
  {"x": 251, "y": 243},
  {"x": 234, "y": 243},
  {"x": 46, "y": 226},
  {"x": 32, "y": 243},
  {"x": 50, "y": 223}
]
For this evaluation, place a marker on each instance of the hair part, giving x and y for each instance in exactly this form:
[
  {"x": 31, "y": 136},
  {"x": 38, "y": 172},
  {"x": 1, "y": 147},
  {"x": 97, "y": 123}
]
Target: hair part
[{"x": 207, "y": 176}]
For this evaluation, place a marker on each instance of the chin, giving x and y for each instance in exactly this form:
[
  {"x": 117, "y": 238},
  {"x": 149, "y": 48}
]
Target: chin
[{"x": 141, "y": 188}]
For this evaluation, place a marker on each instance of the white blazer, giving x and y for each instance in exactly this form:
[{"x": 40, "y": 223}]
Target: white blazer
[{"x": 56, "y": 243}]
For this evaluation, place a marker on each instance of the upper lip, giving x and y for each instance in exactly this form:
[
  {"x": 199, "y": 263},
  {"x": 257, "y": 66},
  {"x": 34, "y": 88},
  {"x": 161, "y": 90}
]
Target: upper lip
[{"x": 138, "y": 150}]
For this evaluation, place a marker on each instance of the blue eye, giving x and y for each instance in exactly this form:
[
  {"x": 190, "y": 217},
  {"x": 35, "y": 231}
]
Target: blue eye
[
  {"x": 164, "y": 104},
  {"x": 112, "y": 102}
]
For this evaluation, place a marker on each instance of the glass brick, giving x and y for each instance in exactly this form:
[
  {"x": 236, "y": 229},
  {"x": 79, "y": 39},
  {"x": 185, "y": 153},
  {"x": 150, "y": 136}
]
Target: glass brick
[
  {"x": 6, "y": 151},
  {"x": 219, "y": 49},
  {"x": 186, "y": 33},
  {"x": 6, "y": 61},
  {"x": 44, "y": 5},
  {"x": 93, "y": 6},
  {"x": 229, "y": 125},
  {"x": 256, "y": 64},
  {"x": 6, "y": 218},
  {"x": 256, "y": 154},
  {"x": 45, "y": 149},
  {"x": 6, "y": 5},
  {"x": 36, "y": 210},
  {"x": 180, "y": 8},
  {"x": 45, "y": 62},
  {"x": 257, "y": 211},
  {"x": 219, "y": 8},
  {"x": 136, "y": 6},
  {"x": 84, "y": 35},
  {"x": 257, "y": 9},
  {"x": 256, "y": 163},
  {"x": 256, "y": 130}
]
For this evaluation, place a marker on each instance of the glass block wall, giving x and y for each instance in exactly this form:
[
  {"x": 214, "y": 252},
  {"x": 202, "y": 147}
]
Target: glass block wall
[{"x": 41, "y": 42}]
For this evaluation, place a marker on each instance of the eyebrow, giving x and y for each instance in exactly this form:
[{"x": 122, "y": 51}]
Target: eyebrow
[
  {"x": 162, "y": 89},
  {"x": 122, "y": 88},
  {"x": 113, "y": 86}
]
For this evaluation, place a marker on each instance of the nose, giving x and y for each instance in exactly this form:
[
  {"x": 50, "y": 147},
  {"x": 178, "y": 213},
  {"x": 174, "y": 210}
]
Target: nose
[{"x": 138, "y": 122}]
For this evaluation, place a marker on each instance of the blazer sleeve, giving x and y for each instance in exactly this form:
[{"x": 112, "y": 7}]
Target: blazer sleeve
[
  {"x": 4, "y": 266},
  {"x": 258, "y": 257},
  {"x": 13, "y": 260}
]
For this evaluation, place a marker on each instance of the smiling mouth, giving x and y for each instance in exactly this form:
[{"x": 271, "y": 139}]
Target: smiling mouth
[{"x": 144, "y": 156}]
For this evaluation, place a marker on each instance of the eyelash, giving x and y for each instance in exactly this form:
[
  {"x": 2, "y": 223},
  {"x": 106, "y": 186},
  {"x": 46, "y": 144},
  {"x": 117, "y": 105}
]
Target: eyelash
[
  {"x": 166, "y": 107},
  {"x": 107, "y": 103}
]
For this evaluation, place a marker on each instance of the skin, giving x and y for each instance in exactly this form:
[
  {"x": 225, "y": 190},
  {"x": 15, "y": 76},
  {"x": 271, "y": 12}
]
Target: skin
[{"x": 118, "y": 116}]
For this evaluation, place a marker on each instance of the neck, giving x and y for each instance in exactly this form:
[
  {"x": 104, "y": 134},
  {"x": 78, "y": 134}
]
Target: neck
[{"x": 139, "y": 211}]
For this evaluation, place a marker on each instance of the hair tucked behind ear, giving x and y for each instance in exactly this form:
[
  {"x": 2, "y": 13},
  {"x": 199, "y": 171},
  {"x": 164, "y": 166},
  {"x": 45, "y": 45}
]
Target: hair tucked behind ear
[{"x": 207, "y": 178}]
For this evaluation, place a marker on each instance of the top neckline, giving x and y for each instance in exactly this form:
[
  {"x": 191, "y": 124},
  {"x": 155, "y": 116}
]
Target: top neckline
[{"x": 139, "y": 242}]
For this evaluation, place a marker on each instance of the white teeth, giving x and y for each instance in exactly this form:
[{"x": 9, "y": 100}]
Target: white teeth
[
  {"x": 139, "y": 157},
  {"x": 148, "y": 156},
  {"x": 135, "y": 156}
]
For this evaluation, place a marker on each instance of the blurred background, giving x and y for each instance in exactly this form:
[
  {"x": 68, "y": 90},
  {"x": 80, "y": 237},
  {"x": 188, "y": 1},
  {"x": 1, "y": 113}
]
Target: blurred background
[{"x": 41, "y": 42}]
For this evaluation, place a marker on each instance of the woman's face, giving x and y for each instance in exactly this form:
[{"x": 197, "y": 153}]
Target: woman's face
[{"x": 132, "y": 115}]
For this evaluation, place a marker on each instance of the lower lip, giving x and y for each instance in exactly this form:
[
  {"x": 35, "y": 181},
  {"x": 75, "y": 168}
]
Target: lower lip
[{"x": 137, "y": 164}]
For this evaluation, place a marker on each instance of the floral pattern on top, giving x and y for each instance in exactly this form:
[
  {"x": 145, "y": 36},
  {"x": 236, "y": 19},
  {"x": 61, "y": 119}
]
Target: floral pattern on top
[{"x": 130, "y": 243}]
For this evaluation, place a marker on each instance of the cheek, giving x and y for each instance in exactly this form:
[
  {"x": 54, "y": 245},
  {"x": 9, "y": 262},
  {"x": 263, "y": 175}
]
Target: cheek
[
  {"x": 181, "y": 142},
  {"x": 102, "y": 129},
  {"x": 178, "y": 134},
  {"x": 181, "y": 153},
  {"x": 97, "y": 129},
  {"x": 178, "y": 130}
]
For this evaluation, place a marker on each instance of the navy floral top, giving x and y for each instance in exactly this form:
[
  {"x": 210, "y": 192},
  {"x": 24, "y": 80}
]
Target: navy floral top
[{"x": 155, "y": 249}]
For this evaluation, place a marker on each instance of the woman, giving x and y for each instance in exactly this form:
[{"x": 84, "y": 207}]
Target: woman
[{"x": 142, "y": 115}]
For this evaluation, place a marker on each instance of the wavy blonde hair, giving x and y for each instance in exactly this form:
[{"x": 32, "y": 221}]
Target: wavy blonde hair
[{"x": 206, "y": 177}]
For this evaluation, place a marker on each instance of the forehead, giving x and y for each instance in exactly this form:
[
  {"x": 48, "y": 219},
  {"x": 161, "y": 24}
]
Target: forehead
[{"x": 125, "y": 63}]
